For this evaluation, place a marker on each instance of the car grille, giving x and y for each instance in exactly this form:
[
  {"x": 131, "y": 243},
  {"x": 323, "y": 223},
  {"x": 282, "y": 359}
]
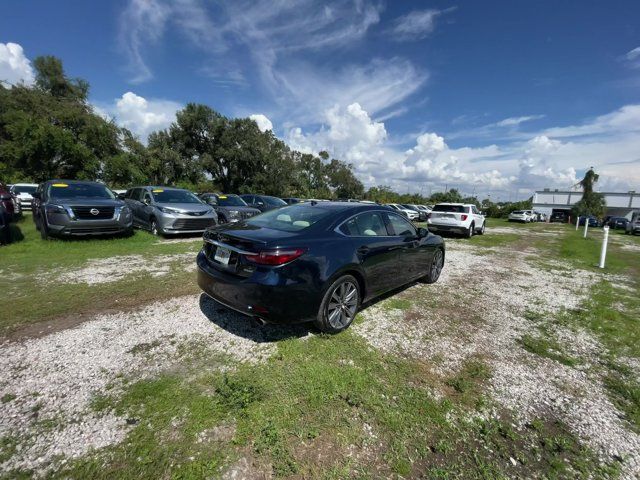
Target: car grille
[
  {"x": 195, "y": 214},
  {"x": 245, "y": 215},
  {"x": 84, "y": 213},
  {"x": 192, "y": 223}
]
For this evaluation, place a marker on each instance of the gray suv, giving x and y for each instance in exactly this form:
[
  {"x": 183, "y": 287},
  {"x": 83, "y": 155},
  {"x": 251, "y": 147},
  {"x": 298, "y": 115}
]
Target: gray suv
[
  {"x": 230, "y": 208},
  {"x": 633, "y": 225},
  {"x": 166, "y": 210},
  {"x": 71, "y": 207}
]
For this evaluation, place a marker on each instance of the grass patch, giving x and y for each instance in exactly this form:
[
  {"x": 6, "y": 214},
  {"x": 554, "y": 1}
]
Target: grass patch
[
  {"x": 29, "y": 267},
  {"x": 548, "y": 348},
  {"x": 396, "y": 303},
  {"x": 325, "y": 407},
  {"x": 494, "y": 240}
]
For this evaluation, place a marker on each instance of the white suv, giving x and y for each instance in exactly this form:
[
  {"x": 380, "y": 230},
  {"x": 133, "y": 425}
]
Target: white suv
[
  {"x": 410, "y": 214},
  {"x": 457, "y": 218},
  {"x": 23, "y": 191}
]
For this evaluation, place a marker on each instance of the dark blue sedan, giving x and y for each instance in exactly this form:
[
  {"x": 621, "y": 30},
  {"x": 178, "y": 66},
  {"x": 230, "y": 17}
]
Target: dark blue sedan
[{"x": 316, "y": 261}]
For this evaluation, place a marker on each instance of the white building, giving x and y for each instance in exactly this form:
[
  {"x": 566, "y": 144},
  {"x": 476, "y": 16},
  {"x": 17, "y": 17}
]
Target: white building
[{"x": 618, "y": 204}]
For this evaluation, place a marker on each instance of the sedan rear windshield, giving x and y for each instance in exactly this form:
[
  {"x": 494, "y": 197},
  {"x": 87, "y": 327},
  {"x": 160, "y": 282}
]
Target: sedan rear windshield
[
  {"x": 290, "y": 219},
  {"x": 160, "y": 195},
  {"x": 231, "y": 201},
  {"x": 79, "y": 190},
  {"x": 450, "y": 208},
  {"x": 24, "y": 189},
  {"x": 274, "y": 201}
]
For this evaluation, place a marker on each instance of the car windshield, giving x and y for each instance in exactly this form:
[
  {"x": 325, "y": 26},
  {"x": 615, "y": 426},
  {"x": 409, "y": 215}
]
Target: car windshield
[
  {"x": 160, "y": 195},
  {"x": 24, "y": 189},
  {"x": 274, "y": 201},
  {"x": 290, "y": 219},
  {"x": 231, "y": 201},
  {"x": 450, "y": 208},
  {"x": 63, "y": 190}
]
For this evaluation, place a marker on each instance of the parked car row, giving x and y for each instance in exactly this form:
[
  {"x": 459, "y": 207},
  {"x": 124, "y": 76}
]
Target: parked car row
[{"x": 527, "y": 216}]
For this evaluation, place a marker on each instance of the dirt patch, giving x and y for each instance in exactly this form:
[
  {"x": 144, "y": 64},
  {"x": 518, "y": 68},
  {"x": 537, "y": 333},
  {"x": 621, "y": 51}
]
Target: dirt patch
[{"x": 113, "y": 269}]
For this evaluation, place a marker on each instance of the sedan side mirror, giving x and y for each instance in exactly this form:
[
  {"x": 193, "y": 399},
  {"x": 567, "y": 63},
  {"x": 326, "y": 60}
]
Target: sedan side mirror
[{"x": 422, "y": 232}]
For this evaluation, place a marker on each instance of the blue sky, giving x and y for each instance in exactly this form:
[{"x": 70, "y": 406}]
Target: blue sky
[{"x": 494, "y": 97}]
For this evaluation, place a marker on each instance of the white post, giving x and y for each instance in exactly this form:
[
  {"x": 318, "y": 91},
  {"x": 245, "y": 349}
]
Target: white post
[
  {"x": 586, "y": 226},
  {"x": 577, "y": 222},
  {"x": 603, "y": 252}
]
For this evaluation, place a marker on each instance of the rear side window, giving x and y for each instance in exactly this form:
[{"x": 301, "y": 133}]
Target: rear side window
[
  {"x": 450, "y": 208},
  {"x": 369, "y": 224},
  {"x": 400, "y": 226},
  {"x": 293, "y": 218}
]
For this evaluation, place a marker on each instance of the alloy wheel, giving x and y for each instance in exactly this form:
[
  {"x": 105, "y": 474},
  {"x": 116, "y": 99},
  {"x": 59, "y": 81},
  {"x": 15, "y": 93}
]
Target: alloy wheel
[
  {"x": 436, "y": 265},
  {"x": 342, "y": 305}
]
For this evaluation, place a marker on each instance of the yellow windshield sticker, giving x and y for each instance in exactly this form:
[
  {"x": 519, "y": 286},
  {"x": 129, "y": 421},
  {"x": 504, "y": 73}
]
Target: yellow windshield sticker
[
  {"x": 158, "y": 190},
  {"x": 222, "y": 196},
  {"x": 60, "y": 185}
]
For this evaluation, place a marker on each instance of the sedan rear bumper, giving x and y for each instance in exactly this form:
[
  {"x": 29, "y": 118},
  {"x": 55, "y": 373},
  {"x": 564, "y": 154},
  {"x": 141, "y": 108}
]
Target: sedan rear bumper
[{"x": 260, "y": 296}]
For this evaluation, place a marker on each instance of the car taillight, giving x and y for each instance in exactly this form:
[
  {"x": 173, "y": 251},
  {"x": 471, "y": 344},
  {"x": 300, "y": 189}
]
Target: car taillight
[
  {"x": 275, "y": 257},
  {"x": 463, "y": 217}
]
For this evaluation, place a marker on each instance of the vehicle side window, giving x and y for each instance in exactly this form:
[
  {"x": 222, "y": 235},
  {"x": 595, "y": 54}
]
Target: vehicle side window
[
  {"x": 398, "y": 226},
  {"x": 368, "y": 224},
  {"x": 128, "y": 193},
  {"x": 135, "y": 194},
  {"x": 475, "y": 210},
  {"x": 146, "y": 196},
  {"x": 250, "y": 199}
]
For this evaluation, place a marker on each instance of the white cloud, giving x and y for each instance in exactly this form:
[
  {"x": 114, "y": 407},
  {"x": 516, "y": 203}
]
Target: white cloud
[
  {"x": 632, "y": 58},
  {"x": 15, "y": 67},
  {"x": 416, "y": 25},
  {"x": 140, "y": 115},
  {"x": 376, "y": 86},
  {"x": 609, "y": 143},
  {"x": 515, "y": 121},
  {"x": 263, "y": 122}
]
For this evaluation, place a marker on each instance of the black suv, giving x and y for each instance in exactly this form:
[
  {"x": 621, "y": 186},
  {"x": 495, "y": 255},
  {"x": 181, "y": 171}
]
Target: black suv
[
  {"x": 71, "y": 207},
  {"x": 263, "y": 202},
  {"x": 230, "y": 208}
]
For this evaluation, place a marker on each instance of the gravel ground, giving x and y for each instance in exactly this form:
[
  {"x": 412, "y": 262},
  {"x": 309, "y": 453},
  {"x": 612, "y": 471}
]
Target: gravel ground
[
  {"x": 481, "y": 307},
  {"x": 507, "y": 296},
  {"x": 54, "y": 378},
  {"x": 113, "y": 269}
]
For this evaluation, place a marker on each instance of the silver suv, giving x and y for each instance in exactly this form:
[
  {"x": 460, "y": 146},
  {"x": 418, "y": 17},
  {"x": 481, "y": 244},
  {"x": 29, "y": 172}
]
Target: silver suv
[
  {"x": 166, "y": 210},
  {"x": 633, "y": 225}
]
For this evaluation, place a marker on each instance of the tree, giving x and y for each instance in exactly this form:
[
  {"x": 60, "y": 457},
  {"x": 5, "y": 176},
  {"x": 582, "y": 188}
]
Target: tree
[
  {"x": 342, "y": 180},
  {"x": 50, "y": 131},
  {"x": 591, "y": 203}
]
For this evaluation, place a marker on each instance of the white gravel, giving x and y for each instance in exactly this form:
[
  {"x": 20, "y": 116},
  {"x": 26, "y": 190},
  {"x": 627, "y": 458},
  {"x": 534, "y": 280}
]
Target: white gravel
[
  {"x": 58, "y": 375},
  {"x": 113, "y": 269},
  {"x": 491, "y": 302}
]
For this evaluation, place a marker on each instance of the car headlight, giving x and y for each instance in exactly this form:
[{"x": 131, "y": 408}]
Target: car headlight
[
  {"x": 234, "y": 213},
  {"x": 125, "y": 211},
  {"x": 168, "y": 210},
  {"x": 55, "y": 209}
]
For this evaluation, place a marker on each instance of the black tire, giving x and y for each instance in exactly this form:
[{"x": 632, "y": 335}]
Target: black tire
[
  {"x": 481, "y": 231},
  {"x": 336, "y": 319},
  {"x": 44, "y": 230},
  {"x": 435, "y": 269},
  {"x": 470, "y": 231}
]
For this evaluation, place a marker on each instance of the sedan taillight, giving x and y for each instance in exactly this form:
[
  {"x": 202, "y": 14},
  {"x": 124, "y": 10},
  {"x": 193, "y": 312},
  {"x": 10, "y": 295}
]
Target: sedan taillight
[
  {"x": 275, "y": 257},
  {"x": 463, "y": 217}
]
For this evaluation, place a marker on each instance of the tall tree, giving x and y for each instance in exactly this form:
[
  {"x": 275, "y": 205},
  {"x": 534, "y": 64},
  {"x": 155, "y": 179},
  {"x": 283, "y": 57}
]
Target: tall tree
[{"x": 591, "y": 203}]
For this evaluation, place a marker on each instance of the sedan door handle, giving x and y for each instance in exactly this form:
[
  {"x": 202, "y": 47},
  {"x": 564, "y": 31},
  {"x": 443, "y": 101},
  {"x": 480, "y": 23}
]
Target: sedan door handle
[{"x": 363, "y": 250}]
